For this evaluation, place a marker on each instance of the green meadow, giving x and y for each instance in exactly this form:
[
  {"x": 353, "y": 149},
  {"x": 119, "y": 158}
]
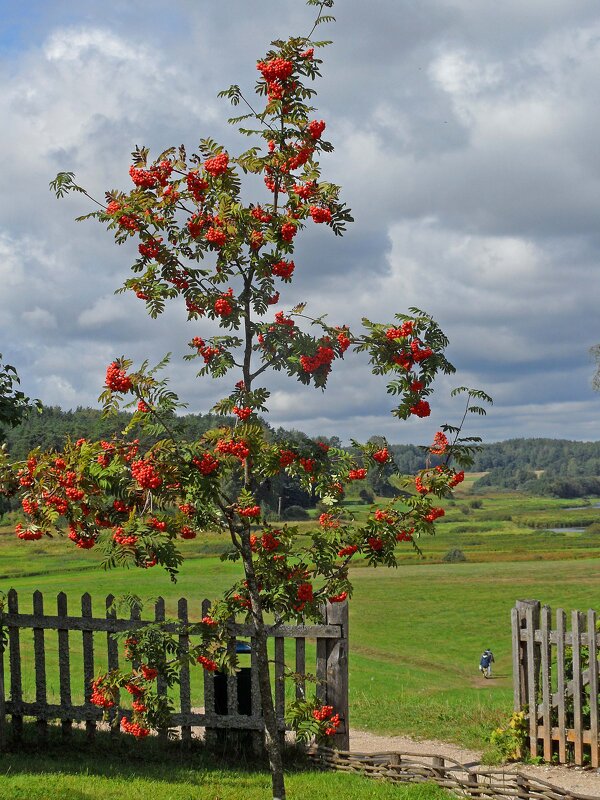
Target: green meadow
[{"x": 416, "y": 631}]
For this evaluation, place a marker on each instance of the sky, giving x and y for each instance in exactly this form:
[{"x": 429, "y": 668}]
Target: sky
[{"x": 466, "y": 143}]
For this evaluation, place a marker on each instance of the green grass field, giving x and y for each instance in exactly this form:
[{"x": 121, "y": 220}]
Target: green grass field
[
  {"x": 416, "y": 632},
  {"x": 126, "y": 770}
]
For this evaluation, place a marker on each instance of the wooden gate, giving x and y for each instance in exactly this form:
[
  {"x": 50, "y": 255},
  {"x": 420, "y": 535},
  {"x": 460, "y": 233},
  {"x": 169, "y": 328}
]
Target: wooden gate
[
  {"x": 53, "y": 658},
  {"x": 555, "y": 673}
]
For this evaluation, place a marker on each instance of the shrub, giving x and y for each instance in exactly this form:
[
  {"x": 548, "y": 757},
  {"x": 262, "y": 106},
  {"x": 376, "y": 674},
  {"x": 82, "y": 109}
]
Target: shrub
[
  {"x": 366, "y": 496},
  {"x": 295, "y": 513},
  {"x": 454, "y": 556}
]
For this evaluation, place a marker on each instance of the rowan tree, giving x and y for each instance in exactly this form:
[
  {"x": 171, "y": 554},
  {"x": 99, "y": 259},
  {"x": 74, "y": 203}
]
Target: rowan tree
[{"x": 227, "y": 264}]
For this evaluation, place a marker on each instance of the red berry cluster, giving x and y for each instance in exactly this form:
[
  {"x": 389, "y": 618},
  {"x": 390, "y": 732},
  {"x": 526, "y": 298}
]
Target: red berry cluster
[
  {"x": 288, "y": 231},
  {"x": 242, "y": 413},
  {"x": 100, "y": 695},
  {"x": 381, "y": 456},
  {"x": 349, "y": 550},
  {"x": 286, "y": 457},
  {"x": 276, "y": 69},
  {"x": 187, "y": 532},
  {"x": 134, "y": 728},
  {"x": 344, "y": 341},
  {"x": 327, "y": 520},
  {"x": 27, "y": 534},
  {"x": 230, "y": 447},
  {"x": 150, "y": 248},
  {"x": 283, "y": 269},
  {"x": 207, "y": 465},
  {"x": 145, "y": 474},
  {"x": 125, "y": 540},
  {"x": 357, "y": 474},
  {"x": 250, "y": 511},
  {"x": 338, "y": 598},
  {"x": 218, "y": 237},
  {"x": 375, "y": 543},
  {"x": 320, "y": 214},
  {"x": 440, "y": 444},
  {"x": 402, "y": 332},
  {"x": 217, "y": 165},
  {"x": 434, "y": 514},
  {"x": 223, "y": 307},
  {"x": 421, "y": 409},
  {"x": 323, "y": 357},
  {"x": 204, "y": 350},
  {"x": 116, "y": 379},
  {"x": 316, "y": 128},
  {"x": 305, "y": 190},
  {"x": 208, "y": 664},
  {"x": 196, "y": 185},
  {"x": 307, "y": 464}
]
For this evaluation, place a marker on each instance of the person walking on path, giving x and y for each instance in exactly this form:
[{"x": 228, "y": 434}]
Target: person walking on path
[{"x": 485, "y": 663}]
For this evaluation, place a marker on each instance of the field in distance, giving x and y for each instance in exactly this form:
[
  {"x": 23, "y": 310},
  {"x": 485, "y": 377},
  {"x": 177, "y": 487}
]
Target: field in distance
[{"x": 416, "y": 632}]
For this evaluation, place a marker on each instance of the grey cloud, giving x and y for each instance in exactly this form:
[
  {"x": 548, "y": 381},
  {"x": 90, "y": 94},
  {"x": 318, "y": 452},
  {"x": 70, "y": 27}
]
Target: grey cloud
[{"x": 466, "y": 141}]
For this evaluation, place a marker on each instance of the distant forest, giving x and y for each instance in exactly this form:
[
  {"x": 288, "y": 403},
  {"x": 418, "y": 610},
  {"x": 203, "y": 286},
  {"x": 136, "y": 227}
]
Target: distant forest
[{"x": 537, "y": 466}]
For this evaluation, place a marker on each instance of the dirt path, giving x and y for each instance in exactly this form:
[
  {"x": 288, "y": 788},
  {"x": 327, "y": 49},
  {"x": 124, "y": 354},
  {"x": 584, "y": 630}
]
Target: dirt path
[{"x": 576, "y": 779}]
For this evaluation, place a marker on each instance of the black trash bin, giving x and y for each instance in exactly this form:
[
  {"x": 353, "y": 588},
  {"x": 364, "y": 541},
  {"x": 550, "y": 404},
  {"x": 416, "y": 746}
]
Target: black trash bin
[{"x": 244, "y": 686}]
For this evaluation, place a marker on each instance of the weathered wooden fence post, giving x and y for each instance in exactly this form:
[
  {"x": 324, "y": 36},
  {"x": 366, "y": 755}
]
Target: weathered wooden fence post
[
  {"x": 336, "y": 655},
  {"x": 3, "y": 639},
  {"x": 527, "y": 675}
]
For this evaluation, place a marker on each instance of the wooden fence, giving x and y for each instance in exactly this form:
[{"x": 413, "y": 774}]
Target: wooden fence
[
  {"x": 88, "y": 633},
  {"x": 479, "y": 783},
  {"x": 555, "y": 672}
]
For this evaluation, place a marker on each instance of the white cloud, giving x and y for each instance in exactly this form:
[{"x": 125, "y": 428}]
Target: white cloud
[{"x": 466, "y": 144}]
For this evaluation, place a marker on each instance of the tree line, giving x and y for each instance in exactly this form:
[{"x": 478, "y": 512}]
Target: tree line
[{"x": 538, "y": 466}]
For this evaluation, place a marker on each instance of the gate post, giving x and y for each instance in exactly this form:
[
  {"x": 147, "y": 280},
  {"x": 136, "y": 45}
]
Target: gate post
[{"x": 336, "y": 690}]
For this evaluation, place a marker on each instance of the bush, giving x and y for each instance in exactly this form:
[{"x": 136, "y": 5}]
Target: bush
[
  {"x": 295, "y": 513},
  {"x": 476, "y": 503},
  {"x": 454, "y": 556},
  {"x": 366, "y": 496}
]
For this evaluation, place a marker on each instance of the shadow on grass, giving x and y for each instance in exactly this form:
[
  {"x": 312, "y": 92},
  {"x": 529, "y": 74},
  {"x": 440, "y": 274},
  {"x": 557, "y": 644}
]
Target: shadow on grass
[{"x": 124, "y": 757}]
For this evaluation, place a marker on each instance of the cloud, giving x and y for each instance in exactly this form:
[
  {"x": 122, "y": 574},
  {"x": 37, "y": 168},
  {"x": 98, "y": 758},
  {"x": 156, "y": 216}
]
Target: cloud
[{"x": 466, "y": 145}]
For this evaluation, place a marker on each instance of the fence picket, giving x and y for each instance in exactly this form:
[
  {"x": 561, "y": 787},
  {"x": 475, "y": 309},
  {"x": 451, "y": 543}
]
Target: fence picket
[
  {"x": 577, "y": 686},
  {"x": 64, "y": 663},
  {"x": 39, "y": 657},
  {"x": 161, "y": 682},
  {"x": 561, "y": 625},
  {"x": 337, "y": 672},
  {"x": 184, "y": 717},
  {"x": 531, "y": 680},
  {"x": 546, "y": 662},
  {"x": 593, "y": 686},
  {"x": 516, "y": 652},
  {"x": 88, "y": 666},
  {"x": 280, "y": 679},
  {"x": 16, "y": 683},
  {"x": 185, "y": 694},
  {"x": 300, "y": 668},
  {"x": 112, "y": 648}
]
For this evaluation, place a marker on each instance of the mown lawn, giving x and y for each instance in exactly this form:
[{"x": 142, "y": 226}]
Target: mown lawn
[{"x": 126, "y": 770}]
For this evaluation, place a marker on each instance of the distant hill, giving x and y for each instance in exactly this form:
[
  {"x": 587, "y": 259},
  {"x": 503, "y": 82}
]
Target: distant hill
[{"x": 540, "y": 466}]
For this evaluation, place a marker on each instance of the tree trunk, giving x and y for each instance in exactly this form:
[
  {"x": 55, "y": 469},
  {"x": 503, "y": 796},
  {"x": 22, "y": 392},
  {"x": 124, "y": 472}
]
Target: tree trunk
[{"x": 273, "y": 743}]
